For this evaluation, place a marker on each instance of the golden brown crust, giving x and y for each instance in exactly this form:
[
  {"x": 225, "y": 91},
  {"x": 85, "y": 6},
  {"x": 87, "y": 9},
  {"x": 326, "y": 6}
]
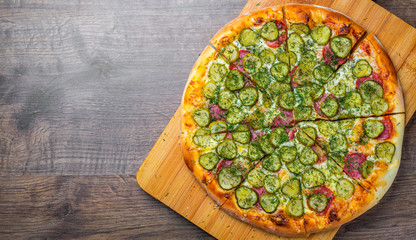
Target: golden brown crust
[
  {"x": 312, "y": 15},
  {"x": 372, "y": 49},
  {"x": 231, "y": 30}
]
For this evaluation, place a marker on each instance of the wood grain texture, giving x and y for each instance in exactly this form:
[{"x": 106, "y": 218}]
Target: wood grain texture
[{"x": 86, "y": 88}]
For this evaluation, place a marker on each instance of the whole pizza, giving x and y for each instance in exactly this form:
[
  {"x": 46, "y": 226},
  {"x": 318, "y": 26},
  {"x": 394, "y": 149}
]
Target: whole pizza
[{"x": 293, "y": 121}]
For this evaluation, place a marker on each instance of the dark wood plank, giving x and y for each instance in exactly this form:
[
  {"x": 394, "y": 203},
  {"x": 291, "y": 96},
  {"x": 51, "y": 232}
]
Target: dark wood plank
[{"x": 86, "y": 88}]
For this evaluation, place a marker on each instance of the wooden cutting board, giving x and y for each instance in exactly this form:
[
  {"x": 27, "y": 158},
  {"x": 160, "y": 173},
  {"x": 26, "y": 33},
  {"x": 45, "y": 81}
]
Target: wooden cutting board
[{"x": 165, "y": 176}]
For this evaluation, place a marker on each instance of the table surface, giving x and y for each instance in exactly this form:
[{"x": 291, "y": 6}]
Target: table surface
[{"x": 86, "y": 88}]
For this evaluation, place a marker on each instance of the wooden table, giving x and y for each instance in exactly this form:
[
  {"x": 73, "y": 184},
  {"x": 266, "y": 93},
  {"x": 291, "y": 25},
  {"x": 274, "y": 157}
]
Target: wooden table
[{"x": 86, "y": 88}]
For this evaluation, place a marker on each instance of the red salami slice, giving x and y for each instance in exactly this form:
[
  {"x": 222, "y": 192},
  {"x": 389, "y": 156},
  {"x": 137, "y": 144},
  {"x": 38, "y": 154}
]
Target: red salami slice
[
  {"x": 216, "y": 112},
  {"x": 388, "y": 129},
  {"x": 353, "y": 163},
  {"x": 329, "y": 194},
  {"x": 223, "y": 163}
]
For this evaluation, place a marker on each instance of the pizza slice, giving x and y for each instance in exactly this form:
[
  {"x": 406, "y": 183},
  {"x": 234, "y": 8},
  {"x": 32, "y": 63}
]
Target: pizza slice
[{"x": 366, "y": 85}]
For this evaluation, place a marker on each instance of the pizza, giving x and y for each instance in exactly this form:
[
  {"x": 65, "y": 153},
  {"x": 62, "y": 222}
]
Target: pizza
[{"x": 293, "y": 119}]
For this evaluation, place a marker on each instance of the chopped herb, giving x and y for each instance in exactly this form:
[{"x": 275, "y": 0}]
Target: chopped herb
[{"x": 258, "y": 4}]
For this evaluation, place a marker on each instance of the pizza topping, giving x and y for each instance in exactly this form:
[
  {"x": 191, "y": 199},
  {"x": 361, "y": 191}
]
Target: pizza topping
[
  {"x": 201, "y": 116},
  {"x": 321, "y": 34},
  {"x": 208, "y": 160},
  {"x": 265, "y": 144},
  {"x": 287, "y": 100},
  {"x": 304, "y": 95},
  {"x": 210, "y": 90},
  {"x": 269, "y": 202},
  {"x": 330, "y": 58},
  {"x": 379, "y": 106},
  {"x": 242, "y": 134},
  {"x": 341, "y": 46},
  {"x": 248, "y": 96},
  {"x": 202, "y": 137},
  {"x": 227, "y": 180},
  {"x": 316, "y": 91},
  {"x": 295, "y": 167},
  {"x": 307, "y": 136},
  {"x": 287, "y": 57},
  {"x": 308, "y": 59},
  {"x": 323, "y": 72},
  {"x": 262, "y": 78},
  {"x": 353, "y": 163},
  {"x": 230, "y": 52},
  {"x": 291, "y": 188},
  {"x": 256, "y": 178},
  {"x": 246, "y": 197},
  {"x": 318, "y": 202},
  {"x": 330, "y": 106},
  {"x": 338, "y": 143},
  {"x": 269, "y": 31},
  {"x": 312, "y": 177},
  {"x": 294, "y": 208},
  {"x": 252, "y": 63},
  {"x": 373, "y": 128},
  {"x": 271, "y": 183},
  {"x": 366, "y": 168},
  {"x": 345, "y": 188},
  {"x": 280, "y": 71},
  {"x": 385, "y": 151},
  {"x": 254, "y": 152},
  {"x": 282, "y": 37},
  {"x": 234, "y": 80},
  {"x": 227, "y": 149},
  {"x": 248, "y": 37},
  {"x": 234, "y": 115},
  {"x": 301, "y": 75},
  {"x": 370, "y": 90},
  {"x": 240, "y": 166},
  {"x": 352, "y": 100},
  {"x": 222, "y": 164},
  {"x": 362, "y": 69},
  {"x": 218, "y": 130},
  {"x": 216, "y": 112},
  {"x": 226, "y": 99},
  {"x": 278, "y": 88},
  {"x": 300, "y": 28},
  {"x": 271, "y": 163},
  {"x": 308, "y": 156},
  {"x": 217, "y": 72},
  {"x": 388, "y": 129},
  {"x": 295, "y": 43},
  {"x": 327, "y": 128},
  {"x": 329, "y": 196},
  {"x": 278, "y": 136},
  {"x": 335, "y": 163},
  {"x": 302, "y": 113},
  {"x": 288, "y": 153},
  {"x": 267, "y": 56}
]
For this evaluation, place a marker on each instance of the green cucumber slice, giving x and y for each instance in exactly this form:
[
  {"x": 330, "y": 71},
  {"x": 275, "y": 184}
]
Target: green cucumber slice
[
  {"x": 227, "y": 180},
  {"x": 295, "y": 43},
  {"x": 362, "y": 69},
  {"x": 291, "y": 188},
  {"x": 308, "y": 156},
  {"x": 327, "y": 128},
  {"x": 227, "y": 149},
  {"x": 379, "y": 106},
  {"x": 370, "y": 90},
  {"x": 208, "y": 160},
  {"x": 329, "y": 107},
  {"x": 254, "y": 152},
  {"x": 278, "y": 88},
  {"x": 312, "y": 177},
  {"x": 338, "y": 143},
  {"x": 269, "y": 202},
  {"x": 288, "y": 153},
  {"x": 226, "y": 99},
  {"x": 218, "y": 130},
  {"x": 271, "y": 183},
  {"x": 271, "y": 163},
  {"x": 240, "y": 166},
  {"x": 333, "y": 167},
  {"x": 210, "y": 90},
  {"x": 300, "y": 28},
  {"x": 256, "y": 178},
  {"x": 352, "y": 100},
  {"x": 252, "y": 63},
  {"x": 366, "y": 168},
  {"x": 234, "y": 80},
  {"x": 230, "y": 52},
  {"x": 269, "y": 31},
  {"x": 385, "y": 151},
  {"x": 234, "y": 115},
  {"x": 242, "y": 134},
  {"x": 373, "y": 128},
  {"x": 302, "y": 113},
  {"x": 341, "y": 46},
  {"x": 278, "y": 136},
  {"x": 308, "y": 59},
  {"x": 287, "y": 100},
  {"x": 345, "y": 188},
  {"x": 201, "y": 116},
  {"x": 248, "y": 37},
  {"x": 304, "y": 95},
  {"x": 286, "y": 56},
  {"x": 321, "y": 34},
  {"x": 265, "y": 144},
  {"x": 246, "y": 197},
  {"x": 248, "y": 96},
  {"x": 267, "y": 56},
  {"x": 280, "y": 71},
  {"x": 318, "y": 202},
  {"x": 323, "y": 72},
  {"x": 217, "y": 72},
  {"x": 262, "y": 78},
  {"x": 302, "y": 75},
  {"x": 315, "y": 90},
  {"x": 202, "y": 137},
  {"x": 306, "y": 136},
  {"x": 295, "y": 167},
  {"x": 295, "y": 208},
  {"x": 256, "y": 120}
]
